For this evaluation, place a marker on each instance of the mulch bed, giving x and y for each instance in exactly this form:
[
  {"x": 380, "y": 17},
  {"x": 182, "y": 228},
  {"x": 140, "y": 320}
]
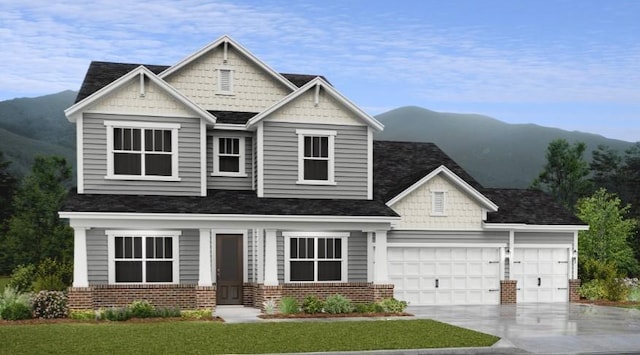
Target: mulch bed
[
  {"x": 331, "y": 315},
  {"x": 132, "y": 320}
]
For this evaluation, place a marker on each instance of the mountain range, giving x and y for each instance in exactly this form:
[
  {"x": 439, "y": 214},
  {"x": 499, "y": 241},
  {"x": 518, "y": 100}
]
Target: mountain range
[{"x": 496, "y": 153}]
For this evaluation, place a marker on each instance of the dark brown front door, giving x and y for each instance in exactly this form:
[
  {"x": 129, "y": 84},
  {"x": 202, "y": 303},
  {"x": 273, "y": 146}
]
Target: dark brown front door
[{"x": 229, "y": 268}]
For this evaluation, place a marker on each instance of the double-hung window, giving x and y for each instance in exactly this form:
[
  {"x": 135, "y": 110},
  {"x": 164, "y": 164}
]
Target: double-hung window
[
  {"x": 142, "y": 150},
  {"x": 143, "y": 257},
  {"x": 228, "y": 156},
  {"x": 314, "y": 257},
  {"x": 316, "y": 157}
]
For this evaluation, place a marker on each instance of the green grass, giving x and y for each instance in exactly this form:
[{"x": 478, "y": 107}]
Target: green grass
[
  {"x": 194, "y": 337},
  {"x": 4, "y": 280}
]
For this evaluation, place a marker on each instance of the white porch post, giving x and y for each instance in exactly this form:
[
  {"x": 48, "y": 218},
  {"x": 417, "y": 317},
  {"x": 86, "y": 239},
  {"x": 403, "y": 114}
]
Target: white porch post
[
  {"x": 204, "y": 278},
  {"x": 512, "y": 251},
  {"x": 270, "y": 258},
  {"x": 380, "y": 262},
  {"x": 80, "y": 274},
  {"x": 260, "y": 252}
]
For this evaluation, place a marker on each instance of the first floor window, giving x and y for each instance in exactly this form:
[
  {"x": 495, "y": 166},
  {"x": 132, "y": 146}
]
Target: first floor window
[
  {"x": 146, "y": 152},
  {"x": 321, "y": 258},
  {"x": 143, "y": 258}
]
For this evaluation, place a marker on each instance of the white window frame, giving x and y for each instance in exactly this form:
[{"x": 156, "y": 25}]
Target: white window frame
[
  {"x": 220, "y": 89},
  {"x": 302, "y": 133},
  {"x": 111, "y": 250},
  {"x": 174, "y": 127},
  {"x": 434, "y": 205},
  {"x": 216, "y": 155},
  {"x": 316, "y": 235}
]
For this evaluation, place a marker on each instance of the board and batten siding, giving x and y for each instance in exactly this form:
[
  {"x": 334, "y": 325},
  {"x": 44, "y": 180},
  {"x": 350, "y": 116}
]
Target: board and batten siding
[
  {"x": 542, "y": 238},
  {"x": 357, "y": 262},
  {"x": 230, "y": 182},
  {"x": 446, "y": 237},
  {"x": 254, "y": 90},
  {"x": 281, "y": 162},
  {"x": 95, "y": 158}
]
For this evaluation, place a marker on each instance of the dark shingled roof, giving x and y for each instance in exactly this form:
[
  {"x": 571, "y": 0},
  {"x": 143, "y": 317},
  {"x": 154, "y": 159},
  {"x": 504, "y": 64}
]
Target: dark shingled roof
[
  {"x": 225, "y": 202},
  {"x": 101, "y": 74},
  {"x": 528, "y": 207},
  {"x": 398, "y": 165},
  {"x": 232, "y": 117}
]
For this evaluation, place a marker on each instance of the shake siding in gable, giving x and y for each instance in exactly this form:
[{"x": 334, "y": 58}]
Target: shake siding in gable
[
  {"x": 95, "y": 158},
  {"x": 97, "y": 263},
  {"x": 281, "y": 162},
  {"x": 189, "y": 243},
  {"x": 230, "y": 182},
  {"x": 254, "y": 90},
  {"x": 357, "y": 263}
]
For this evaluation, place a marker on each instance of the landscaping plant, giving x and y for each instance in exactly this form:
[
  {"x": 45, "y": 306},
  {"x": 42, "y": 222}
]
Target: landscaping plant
[
  {"x": 14, "y": 305},
  {"x": 338, "y": 304},
  {"x": 312, "y": 305},
  {"x": 289, "y": 305},
  {"x": 393, "y": 305},
  {"x": 50, "y": 304},
  {"x": 22, "y": 278}
]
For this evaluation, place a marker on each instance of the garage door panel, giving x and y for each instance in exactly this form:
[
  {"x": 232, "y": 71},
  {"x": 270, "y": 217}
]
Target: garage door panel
[
  {"x": 443, "y": 268},
  {"x": 541, "y": 274},
  {"x": 459, "y": 268}
]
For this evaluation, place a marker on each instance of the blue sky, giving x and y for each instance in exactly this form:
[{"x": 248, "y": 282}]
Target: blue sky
[{"x": 572, "y": 64}]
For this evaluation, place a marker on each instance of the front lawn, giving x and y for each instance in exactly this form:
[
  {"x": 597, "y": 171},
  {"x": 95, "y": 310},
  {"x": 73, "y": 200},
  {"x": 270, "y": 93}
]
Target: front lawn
[{"x": 212, "y": 337}]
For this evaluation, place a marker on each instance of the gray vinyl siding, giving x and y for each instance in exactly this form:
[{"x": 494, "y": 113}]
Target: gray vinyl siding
[
  {"x": 477, "y": 237},
  {"x": 281, "y": 162},
  {"x": 97, "y": 263},
  {"x": 280, "y": 249},
  {"x": 95, "y": 158},
  {"x": 250, "y": 256},
  {"x": 189, "y": 243},
  {"x": 357, "y": 263},
  {"x": 543, "y": 238},
  {"x": 230, "y": 182}
]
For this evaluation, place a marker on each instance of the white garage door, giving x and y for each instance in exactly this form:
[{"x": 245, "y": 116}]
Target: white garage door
[
  {"x": 542, "y": 274},
  {"x": 445, "y": 275}
]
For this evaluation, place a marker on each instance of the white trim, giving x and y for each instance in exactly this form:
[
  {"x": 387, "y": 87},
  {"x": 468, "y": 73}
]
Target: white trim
[
  {"x": 260, "y": 254},
  {"x": 457, "y": 181},
  {"x": 231, "y": 127},
  {"x": 220, "y": 90},
  {"x": 302, "y": 133},
  {"x": 241, "y": 157},
  {"x": 370, "y": 254},
  {"x": 344, "y": 260},
  {"x": 112, "y": 233},
  {"x": 142, "y": 126},
  {"x": 446, "y": 245},
  {"x": 225, "y": 40},
  {"x": 534, "y": 227},
  {"x": 369, "y": 163},
  {"x": 254, "y": 164},
  {"x": 381, "y": 273},
  {"x": 541, "y": 246},
  {"x": 204, "y": 258},
  {"x": 80, "y": 270},
  {"x": 369, "y": 120},
  {"x": 271, "y": 258},
  {"x": 80, "y": 153},
  {"x": 260, "y": 157},
  {"x": 574, "y": 256},
  {"x": 75, "y": 111},
  {"x": 203, "y": 158}
]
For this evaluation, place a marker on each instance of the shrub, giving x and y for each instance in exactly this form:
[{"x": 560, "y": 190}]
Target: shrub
[
  {"x": 616, "y": 289},
  {"x": 166, "y": 312},
  {"x": 289, "y": 305},
  {"x": 338, "y": 304},
  {"x": 50, "y": 304},
  {"x": 197, "y": 314},
  {"x": 9, "y": 300},
  {"x": 116, "y": 314},
  {"x": 634, "y": 294},
  {"x": 368, "y": 308},
  {"x": 22, "y": 278},
  {"x": 53, "y": 275},
  {"x": 142, "y": 309},
  {"x": 83, "y": 314},
  {"x": 312, "y": 305},
  {"x": 269, "y": 306},
  {"x": 592, "y": 290},
  {"x": 393, "y": 305}
]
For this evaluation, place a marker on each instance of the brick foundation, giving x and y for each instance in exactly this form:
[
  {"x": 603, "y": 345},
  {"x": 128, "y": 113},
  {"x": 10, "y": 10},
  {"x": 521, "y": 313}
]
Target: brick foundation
[
  {"x": 508, "y": 291},
  {"x": 105, "y": 296},
  {"x": 574, "y": 287}
]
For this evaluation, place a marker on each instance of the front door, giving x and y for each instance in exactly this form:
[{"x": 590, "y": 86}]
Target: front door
[{"x": 229, "y": 268}]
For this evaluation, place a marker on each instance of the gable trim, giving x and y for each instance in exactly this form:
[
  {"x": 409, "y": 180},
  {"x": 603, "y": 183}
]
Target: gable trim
[
  {"x": 521, "y": 227},
  {"x": 76, "y": 110},
  {"x": 225, "y": 41},
  {"x": 457, "y": 181},
  {"x": 317, "y": 84}
]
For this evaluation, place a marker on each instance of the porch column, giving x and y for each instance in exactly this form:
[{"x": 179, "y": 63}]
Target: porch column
[
  {"x": 380, "y": 262},
  {"x": 80, "y": 278},
  {"x": 204, "y": 278},
  {"x": 270, "y": 258}
]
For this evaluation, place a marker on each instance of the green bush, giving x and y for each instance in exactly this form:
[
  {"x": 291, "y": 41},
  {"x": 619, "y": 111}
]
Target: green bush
[
  {"x": 142, "y": 309},
  {"x": 16, "y": 311},
  {"x": 116, "y": 314},
  {"x": 50, "y": 304},
  {"x": 197, "y": 314},
  {"x": 338, "y": 304},
  {"x": 604, "y": 281},
  {"x": 167, "y": 312},
  {"x": 634, "y": 294},
  {"x": 82, "y": 314},
  {"x": 312, "y": 305},
  {"x": 368, "y": 308},
  {"x": 616, "y": 289},
  {"x": 52, "y": 275},
  {"x": 393, "y": 305},
  {"x": 593, "y": 290},
  {"x": 22, "y": 278},
  {"x": 9, "y": 298},
  {"x": 289, "y": 305}
]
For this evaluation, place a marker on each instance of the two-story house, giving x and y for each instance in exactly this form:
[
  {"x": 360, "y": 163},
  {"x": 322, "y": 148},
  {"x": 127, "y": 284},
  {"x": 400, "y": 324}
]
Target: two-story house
[{"x": 220, "y": 181}]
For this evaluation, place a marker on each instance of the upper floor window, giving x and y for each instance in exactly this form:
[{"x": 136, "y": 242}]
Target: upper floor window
[
  {"x": 438, "y": 203},
  {"x": 225, "y": 81},
  {"x": 141, "y": 150},
  {"x": 316, "y": 157},
  {"x": 228, "y": 156}
]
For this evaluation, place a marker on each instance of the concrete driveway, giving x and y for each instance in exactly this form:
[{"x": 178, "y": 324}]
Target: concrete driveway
[{"x": 555, "y": 328}]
